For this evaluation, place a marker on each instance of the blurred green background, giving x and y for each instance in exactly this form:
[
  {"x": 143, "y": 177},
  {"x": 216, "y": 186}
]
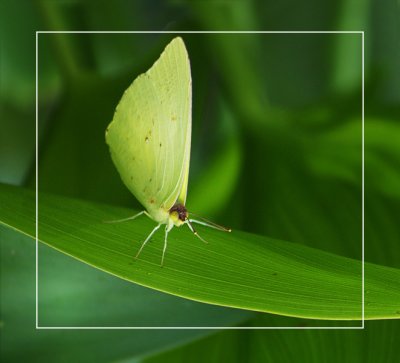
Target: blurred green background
[{"x": 276, "y": 143}]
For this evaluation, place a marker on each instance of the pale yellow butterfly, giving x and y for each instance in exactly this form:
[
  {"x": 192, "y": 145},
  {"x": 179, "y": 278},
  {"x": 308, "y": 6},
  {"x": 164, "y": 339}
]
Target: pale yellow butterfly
[{"x": 149, "y": 139}]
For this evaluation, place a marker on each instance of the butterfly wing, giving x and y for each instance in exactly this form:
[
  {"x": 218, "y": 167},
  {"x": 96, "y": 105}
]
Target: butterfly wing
[{"x": 149, "y": 137}]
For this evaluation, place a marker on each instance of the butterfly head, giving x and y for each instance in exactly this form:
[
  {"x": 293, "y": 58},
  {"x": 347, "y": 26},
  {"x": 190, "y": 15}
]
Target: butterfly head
[{"x": 179, "y": 214}]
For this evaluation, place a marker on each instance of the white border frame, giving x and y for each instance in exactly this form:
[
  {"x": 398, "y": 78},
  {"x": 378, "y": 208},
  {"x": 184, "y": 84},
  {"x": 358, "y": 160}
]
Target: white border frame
[{"x": 213, "y": 328}]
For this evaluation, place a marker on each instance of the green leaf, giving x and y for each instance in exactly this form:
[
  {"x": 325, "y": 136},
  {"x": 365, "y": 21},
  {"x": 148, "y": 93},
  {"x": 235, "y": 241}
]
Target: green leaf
[
  {"x": 65, "y": 300},
  {"x": 374, "y": 344},
  {"x": 93, "y": 295},
  {"x": 239, "y": 269}
]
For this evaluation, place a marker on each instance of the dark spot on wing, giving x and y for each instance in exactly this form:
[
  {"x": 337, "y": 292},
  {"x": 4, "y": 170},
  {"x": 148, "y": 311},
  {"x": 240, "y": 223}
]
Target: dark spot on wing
[
  {"x": 160, "y": 144},
  {"x": 147, "y": 138}
]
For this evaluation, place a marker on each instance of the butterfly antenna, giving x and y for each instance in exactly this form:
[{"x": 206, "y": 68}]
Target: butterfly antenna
[
  {"x": 206, "y": 222},
  {"x": 188, "y": 222}
]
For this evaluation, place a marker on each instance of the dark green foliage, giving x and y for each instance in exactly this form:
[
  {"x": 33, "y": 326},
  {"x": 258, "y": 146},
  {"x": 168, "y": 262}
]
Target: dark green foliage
[{"x": 276, "y": 152}]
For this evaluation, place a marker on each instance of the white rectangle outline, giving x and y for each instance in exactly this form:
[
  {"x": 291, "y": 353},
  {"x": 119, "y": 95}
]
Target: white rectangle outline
[{"x": 202, "y": 327}]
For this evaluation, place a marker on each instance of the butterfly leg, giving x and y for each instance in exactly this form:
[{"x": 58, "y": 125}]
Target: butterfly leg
[
  {"x": 147, "y": 239},
  {"x": 167, "y": 229},
  {"x": 129, "y": 218}
]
